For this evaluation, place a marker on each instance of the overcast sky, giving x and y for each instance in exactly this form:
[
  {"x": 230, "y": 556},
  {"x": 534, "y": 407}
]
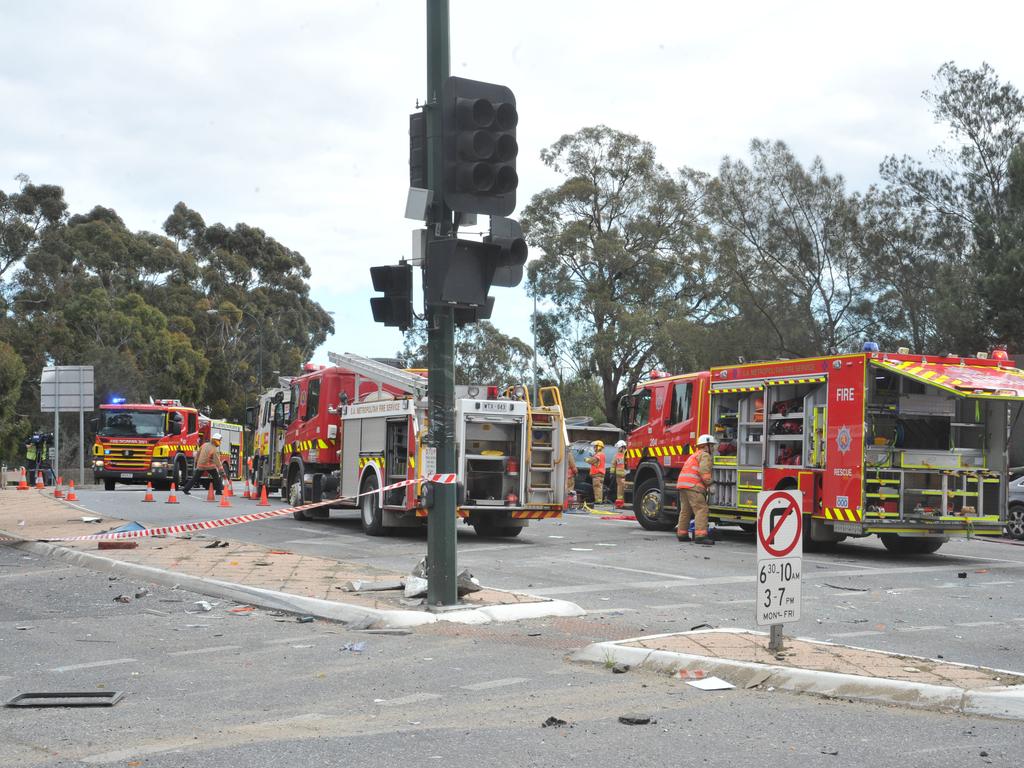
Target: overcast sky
[{"x": 293, "y": 117}]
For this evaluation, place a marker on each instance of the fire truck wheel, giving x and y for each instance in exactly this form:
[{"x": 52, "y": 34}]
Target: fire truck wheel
[
  {"x": 1015, "y": 521},
  {"x": 911, "y": 545},
  {"x": 109, "y": 483},
  {"x": 369, "y": 509},
  {"x": 490, "y": 531},
  {"x": 647, "y": 506},
  {"x": 295, "y": 491}
]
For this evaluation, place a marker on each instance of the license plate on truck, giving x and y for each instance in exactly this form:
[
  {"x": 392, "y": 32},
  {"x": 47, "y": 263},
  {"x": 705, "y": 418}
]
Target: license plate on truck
[{"x": 126, "y": 475}]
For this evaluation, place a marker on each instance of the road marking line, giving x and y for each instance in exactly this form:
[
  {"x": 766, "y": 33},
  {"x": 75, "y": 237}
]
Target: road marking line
[
  {"x": 211, "y": 649},
  {"x": 412, "y": 698},
  {"x": 635, "y": 570},
  {"x": 31, "y": 573},
  {"x": 92, "y": 664},
  {"x": 282, "y": 640},
  {"x": 977, "y": 623},
  {"x": 494, "y": 684},
  {"x": 612, "y": 610},
  {"x": 862, "y": 633},
  {"x": 929, "y": 628},
  {"x": 995, "y": 583}
]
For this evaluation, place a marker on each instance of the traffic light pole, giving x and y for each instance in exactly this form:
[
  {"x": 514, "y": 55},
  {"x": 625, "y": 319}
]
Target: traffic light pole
[{"x": 441, "y": 555}]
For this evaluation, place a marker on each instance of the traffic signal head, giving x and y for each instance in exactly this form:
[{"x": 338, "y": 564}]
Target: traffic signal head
[
  {"x": 509, "y": 251},
  {"x": 479, "y": 139},
  {"x": 394, "y": 308}
]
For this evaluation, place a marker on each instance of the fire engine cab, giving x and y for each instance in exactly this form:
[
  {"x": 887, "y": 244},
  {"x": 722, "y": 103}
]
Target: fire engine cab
[
  {"x": 511, "y": 455},
  {"x": 157, "y": 442},
  {"x": 912, "y": 448}
]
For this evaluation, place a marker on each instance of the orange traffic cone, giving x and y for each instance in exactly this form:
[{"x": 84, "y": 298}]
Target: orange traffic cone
[
  {"x": 209, "y": 493},
  {"x": 149, "y": 493},
  {"x": 23, "y": 483},
  {"x": 57, "y": 492},
  {"x": 247, "y": 494},
  {"x": 71, "y": 492},
  {"x": 224, "y": 502},
  {"x": 172, "y": 498},
  {"x": 227, "y": 489},
  {"x": 263, "y": 502},
  {"x": 39, "y": 480}
]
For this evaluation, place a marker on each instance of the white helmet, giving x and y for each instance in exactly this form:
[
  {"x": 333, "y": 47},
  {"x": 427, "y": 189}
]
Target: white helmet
[
  {"x": 216, "y": 436},
  {"x": 706, "y": 440},
  {"x": 620, "y": 444}
]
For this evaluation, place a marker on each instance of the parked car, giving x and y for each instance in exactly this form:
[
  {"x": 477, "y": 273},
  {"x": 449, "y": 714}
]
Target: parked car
[
  {"x": 1015, "y": 509},
  {"x": 581, "y": 451}
]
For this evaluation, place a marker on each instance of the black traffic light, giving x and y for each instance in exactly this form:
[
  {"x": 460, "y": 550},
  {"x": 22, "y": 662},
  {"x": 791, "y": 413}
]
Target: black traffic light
[
  {"x": 458, "y": 273},
  {"x": 479, "y": 146},
  {"x": 394, "y": 308},
  {"x": 509, "y": 252}
]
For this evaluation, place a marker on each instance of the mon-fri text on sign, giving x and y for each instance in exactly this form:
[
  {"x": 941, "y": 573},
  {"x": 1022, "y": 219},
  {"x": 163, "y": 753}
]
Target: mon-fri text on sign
[{"x": 779, "y": 557}]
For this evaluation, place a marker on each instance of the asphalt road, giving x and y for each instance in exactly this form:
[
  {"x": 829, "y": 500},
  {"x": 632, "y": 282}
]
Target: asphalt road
[
  {"x": 220, "y": 689},
  {"x": 648, "y": 582}
]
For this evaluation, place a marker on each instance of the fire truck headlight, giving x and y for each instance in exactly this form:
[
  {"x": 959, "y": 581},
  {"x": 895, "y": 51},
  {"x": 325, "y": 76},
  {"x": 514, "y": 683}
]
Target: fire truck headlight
[
  {"x": 519, "y": 392},
  {"x": 159, "y": 464},
  {"x": 98, "y": 463},
  {"x": 473, "y": 392}
]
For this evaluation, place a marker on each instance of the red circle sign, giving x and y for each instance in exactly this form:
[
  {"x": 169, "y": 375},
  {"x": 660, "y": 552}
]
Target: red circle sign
[{"x": 790, "y": 508}]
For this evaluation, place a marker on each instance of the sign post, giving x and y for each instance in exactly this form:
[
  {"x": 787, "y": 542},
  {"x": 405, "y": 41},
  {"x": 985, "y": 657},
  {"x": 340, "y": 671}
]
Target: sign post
[
  {"x": 67, "y": 388},
  {"x": 779, "y": 561}
]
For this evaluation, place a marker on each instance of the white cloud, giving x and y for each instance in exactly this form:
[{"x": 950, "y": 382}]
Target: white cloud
[{"x": 293, "y": 117}]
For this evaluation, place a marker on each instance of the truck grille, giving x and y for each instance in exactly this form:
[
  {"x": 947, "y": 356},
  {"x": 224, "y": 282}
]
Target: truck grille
[{"x": 128, "y": 457}]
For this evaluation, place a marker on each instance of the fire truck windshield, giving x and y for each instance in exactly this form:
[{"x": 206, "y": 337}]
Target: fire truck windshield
[{"x": 133, "y": 424}]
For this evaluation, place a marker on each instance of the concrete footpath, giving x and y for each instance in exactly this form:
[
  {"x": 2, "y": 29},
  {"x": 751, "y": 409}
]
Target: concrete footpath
[
  {"x": 249, "y": 573},
  {"x": 742, "y": 658}
]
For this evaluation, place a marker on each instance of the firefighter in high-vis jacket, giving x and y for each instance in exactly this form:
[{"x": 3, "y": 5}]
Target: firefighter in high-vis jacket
[
  {"x": 619, "y": 468},
  {"x": 693, "y": 484},
  {"x": 597, "y": 470}
]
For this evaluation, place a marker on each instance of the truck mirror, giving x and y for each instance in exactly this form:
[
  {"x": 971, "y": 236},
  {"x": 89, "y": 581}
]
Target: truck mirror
[
  {"x": 176, "y": 423},
  {"x": 279, "y": 415},
  {"x": 250, "y": 418}
]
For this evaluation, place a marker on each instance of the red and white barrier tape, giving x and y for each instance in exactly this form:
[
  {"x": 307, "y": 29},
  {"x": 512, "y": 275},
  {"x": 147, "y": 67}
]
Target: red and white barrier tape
[{"x": 205, "y": 525}]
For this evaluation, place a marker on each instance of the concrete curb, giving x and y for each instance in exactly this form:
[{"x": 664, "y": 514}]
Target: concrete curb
[
  {"x": 1003, "y": 702},
  {"x": 355, "y": 616}
]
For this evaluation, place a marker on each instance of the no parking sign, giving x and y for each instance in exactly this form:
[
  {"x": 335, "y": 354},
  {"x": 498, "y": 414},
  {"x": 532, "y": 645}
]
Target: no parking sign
[{"x": 779, "y": 556}]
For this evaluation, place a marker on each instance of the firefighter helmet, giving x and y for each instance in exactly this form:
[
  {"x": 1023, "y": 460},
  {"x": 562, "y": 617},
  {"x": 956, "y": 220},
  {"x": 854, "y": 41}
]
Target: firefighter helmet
[
  {"x": 216, "y": 437},
  {"x": 598, "y": 444},
  {"x": 705, "y": 440},
  {"x": 621, "y": 444}
]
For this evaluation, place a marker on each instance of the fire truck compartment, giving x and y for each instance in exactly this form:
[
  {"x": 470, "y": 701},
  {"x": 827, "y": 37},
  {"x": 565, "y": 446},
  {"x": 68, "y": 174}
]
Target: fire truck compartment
[
  {"x": 494, "y": 453},
  {"x": 771, "y": 423},
  {"x": 932, "y": 451}
]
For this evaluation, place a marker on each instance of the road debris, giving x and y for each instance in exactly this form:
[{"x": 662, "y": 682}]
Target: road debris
[
  {"x": 123, "y": 599},
  {"x": 370, "y": 586},
  {"x": 358, "y": 647},
  {"x": 710, "y": 684},
  {"x": 701, "y": 626},
  {"x": 619, "y": 668},
  {"x": 962, "y": 575},
  {"x": 690, "y": 674},
  {"x": 845, "y": 589},
  {"x": 466, "y": 583},
  {"x": 386, "y": 631},
  {"x": 141, "y": 592},
  {"x": 830, "y": 751},
  {"x": 635, "y": 719},
  {"x": 24, "y": 627},
  {"x": 304, "y": 619},
  {"x": 241, "y": 609},
  {"x": 216, "y": 545},
  {"x": 553, "y": 722},
  {"x": 203, "y": 605}
]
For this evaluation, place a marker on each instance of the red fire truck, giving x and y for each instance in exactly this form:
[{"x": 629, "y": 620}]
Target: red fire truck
[
  {"x": 157, "y": 442},
  {"x": 912, "y": 448},
  {"x": 310, "y": 422},
  {"x": 511, "y": 454}
]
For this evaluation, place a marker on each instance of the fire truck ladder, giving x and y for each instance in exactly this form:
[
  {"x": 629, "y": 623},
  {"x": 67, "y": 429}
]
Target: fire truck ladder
[
  {"x": 381, "y": 373},
  {"x": 545, "y": 422}
]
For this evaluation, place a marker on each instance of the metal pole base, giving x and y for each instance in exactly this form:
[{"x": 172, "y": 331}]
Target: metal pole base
[{"x": 775, "y": 639}]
